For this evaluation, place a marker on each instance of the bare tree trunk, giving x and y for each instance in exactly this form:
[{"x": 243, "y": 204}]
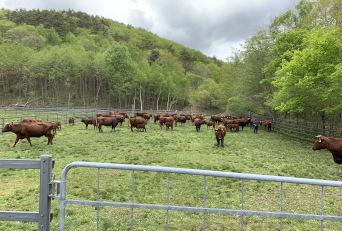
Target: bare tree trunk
[
  {"x": 135, "y": 94},
  {"x": 97, "y": 92},
  {"x": 69, "y": 99},
  {"x": 141, "y": 100},
  {"x": 158, "y": 100},
  {"x": 168, "y": 102}
]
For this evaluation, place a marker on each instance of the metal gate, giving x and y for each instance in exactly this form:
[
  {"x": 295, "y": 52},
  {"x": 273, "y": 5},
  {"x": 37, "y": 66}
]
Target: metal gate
[
  {"x": 203, "y": 173},
  {"x": 43, "y": 217},
  {"x": 57, "y": 189}
]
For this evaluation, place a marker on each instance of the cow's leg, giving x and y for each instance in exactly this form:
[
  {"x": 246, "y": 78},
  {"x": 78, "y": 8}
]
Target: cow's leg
[
  {"x": 29, "y": 140},
  {"x": 49, "y": 138},
  {"x": 16, "y": 141},
  {"x": 222, "y": 141}
]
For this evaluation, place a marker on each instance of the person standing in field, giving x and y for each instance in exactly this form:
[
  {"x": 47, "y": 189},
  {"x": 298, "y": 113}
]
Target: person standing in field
[{"x": 255, "y": 126}]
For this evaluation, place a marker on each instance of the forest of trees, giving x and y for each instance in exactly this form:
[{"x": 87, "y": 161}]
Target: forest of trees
[{"x": 66, "y": 58}]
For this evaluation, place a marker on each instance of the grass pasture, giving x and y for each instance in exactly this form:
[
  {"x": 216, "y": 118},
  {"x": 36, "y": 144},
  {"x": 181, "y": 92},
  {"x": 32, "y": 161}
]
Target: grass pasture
[{"x": 263, "y": 153}]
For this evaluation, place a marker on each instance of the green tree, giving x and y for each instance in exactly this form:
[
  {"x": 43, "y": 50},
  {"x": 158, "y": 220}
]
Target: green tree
[
  {"x": 120, "y": 66},
  {"x": 304, "y": 84},
  {"x": 51, "y": 36},
  {"x": 13, "y": 81}
]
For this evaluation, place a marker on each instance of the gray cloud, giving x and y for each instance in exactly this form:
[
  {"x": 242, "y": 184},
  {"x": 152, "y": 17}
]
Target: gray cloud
[{"x": 211, "y": 26}]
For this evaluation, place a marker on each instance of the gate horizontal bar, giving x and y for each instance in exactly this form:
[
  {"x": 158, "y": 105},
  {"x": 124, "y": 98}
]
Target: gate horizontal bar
[
  {"x": 200, "y": 172},
  {"x": 206, "y": 210},
  {"x": 19, "y": 216},
  {"x": 22, "y": 164}
]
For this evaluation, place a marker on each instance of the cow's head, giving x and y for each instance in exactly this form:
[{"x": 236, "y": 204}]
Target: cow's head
[
  {"x": 8, "y": 127},
  {"x": 320, "y": 143}
]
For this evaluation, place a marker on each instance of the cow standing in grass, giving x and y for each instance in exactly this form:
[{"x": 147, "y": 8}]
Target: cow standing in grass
[
  {"x": 107, "y": 121},
  {"x": 334, "y": 145},
  {"x": 89, "y": 121},
  {"x": 28, "y": 130},
  {"x": 220, "y": 133},
  {"x": 135, "y": 121},
  {"x": 198, "y": 123}
]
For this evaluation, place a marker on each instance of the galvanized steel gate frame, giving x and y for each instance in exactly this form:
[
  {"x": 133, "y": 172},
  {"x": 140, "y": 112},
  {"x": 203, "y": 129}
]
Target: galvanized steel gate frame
[
  {"x": 43, "y": 217},
  {"x": 64, "y": 201},
  {"x": 49, "y": 188}
]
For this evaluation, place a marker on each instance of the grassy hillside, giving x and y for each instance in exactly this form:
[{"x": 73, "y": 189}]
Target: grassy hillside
[
  {"x": 263, "y": 153},
  {"x": 68, "y": 58}
]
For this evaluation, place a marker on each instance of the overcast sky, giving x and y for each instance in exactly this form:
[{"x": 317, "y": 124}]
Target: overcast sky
[{"x": 214, "y": 27}]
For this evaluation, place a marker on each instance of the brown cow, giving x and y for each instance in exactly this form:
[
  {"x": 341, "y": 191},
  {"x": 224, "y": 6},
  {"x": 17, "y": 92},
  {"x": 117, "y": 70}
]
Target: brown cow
[
  {"x": 30, "y": 121},
  {"x": 139, "y": 114},
  {"x": 163, "y": 120},
  {"x": 169, "y": 124},
  {"x": 89, "y": 121},
  {"x": 197, "y": 116},
  {"x": 198, "y": 123},
  {"x": 28, "y": 130},
  {"x": 334, "y": 145},
  {"x": 135, "y": 121},
  {"x": 242, "y": 122},
  {"x": 181, "y": 119},
  {"x": 107, "y": 121},
  {"x": 102, "y": 115},
  {"x": 146, "y": 116},
  {"x": 220, "y": 133},
  {"x": 211, "y": 124},
  {"x": 141, "y": 126},
  {"x": 72, "y": 120},
  {"x": 119, "y": 117},
  {"x": 226, "y": 122},
  {"x": 216, "y": 118},
  {"x": 156, "y": 117},
  {"x": 268, "y": 125},
  {"x": 55, "y": 126},
  {"x": 233, "y": 126}
]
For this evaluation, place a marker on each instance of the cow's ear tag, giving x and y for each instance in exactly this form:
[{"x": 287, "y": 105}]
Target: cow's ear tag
[{"x": 319, "y": 140}]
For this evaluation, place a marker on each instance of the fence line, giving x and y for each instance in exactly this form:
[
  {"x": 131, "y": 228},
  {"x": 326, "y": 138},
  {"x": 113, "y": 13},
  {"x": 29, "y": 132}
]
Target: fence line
[
  {"x": 299, "y": 129},
  {"x": 305, "y": 130}
]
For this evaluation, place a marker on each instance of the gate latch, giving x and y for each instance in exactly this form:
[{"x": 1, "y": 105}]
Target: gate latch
[{"x": 53, "y": 185}]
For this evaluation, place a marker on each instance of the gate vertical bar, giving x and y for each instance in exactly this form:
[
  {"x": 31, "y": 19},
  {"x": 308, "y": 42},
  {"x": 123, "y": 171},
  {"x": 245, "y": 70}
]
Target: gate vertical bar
[
  {"x": 322, "y": 207},
  {"x": 242, "y": 198},
  {"x": 168, "y": 200},
  {"x": 98, "y": 197},
  {"x": 132, "y": 199},
  {"x": 45, "y": 200},
  {"x": 62, "y": 204},
  {"x": 281, "y": 205},
  {"x": 205, "y": 197}
]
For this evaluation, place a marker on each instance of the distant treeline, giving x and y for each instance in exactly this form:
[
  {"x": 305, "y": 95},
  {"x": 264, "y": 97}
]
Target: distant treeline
[
  {"x": 67, "y": 58},
  {"x": 293, "y": 68}
]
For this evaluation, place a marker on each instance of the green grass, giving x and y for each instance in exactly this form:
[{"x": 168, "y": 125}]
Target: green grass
[{"x": 264, "y": 153}]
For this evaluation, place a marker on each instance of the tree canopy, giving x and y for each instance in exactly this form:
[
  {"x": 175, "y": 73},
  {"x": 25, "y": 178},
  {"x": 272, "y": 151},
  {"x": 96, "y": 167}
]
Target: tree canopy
[{"x": 66, "y": 58}]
